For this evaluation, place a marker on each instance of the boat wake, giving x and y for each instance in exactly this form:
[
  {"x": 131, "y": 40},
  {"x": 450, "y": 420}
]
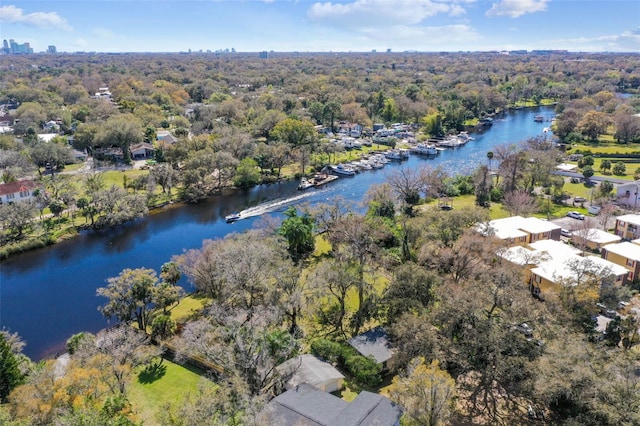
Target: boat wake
[{"x": 273, "y": 205}]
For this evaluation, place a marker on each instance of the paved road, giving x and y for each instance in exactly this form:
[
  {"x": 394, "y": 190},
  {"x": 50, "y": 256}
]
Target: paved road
[{"x": 592, "y": 178}]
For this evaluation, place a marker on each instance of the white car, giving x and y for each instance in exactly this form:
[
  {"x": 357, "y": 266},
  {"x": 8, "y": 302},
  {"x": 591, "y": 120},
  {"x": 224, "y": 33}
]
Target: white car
[{"x": 575, "y": 215}]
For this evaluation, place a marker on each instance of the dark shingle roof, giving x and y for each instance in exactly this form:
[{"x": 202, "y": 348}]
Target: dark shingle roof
[
  {"x": 375, "y": 343},
  {"x": 305, "y": 405}
]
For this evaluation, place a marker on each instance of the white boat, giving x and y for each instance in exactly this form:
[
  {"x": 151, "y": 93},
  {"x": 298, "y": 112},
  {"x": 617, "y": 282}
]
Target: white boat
[
  {"x": 393, "y": 154},
  {"x": 233, "y": 217},
  {"x": 464, "y": 136},
  {"x": 343, "y": 170},
  {"x": 424, "y": 149}
]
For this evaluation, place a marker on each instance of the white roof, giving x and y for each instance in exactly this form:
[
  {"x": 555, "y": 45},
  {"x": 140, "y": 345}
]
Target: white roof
[
  {"x": 309, "y": 369},
  {"x": 521, "y": 256},
  {"x": 636, "y": 241},
  {"x": 555, "y": 248},
  {"x": 559, "y": 268},
  {"x": 630, "y": 218},
  {"x": 566, "y": 167},
  {"x": 518, "y": 226},
  {"x": 596, "y": 235},
  {"x": 47, "y": 137},
  {"x": 626, "y": 249}
]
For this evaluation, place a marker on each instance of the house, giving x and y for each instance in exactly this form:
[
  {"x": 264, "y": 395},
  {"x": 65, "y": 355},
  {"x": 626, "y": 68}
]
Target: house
[
  {"x": 521, "y": 230},
  {"x": 47, "y": 137},
  {"x": 629, "y": 194},
  {"x": 351, "y": 129},
  {"x": 374, "y": 343},
  {"x": 6, "y": 120},
  {"x": 628, "y": 226},
  {"x": 21, "y": 190},
  {"x": 166, "y": 137},
  {"x": 625, "y": 254},
  {"x": 142, "y": 151},
  {"x": 571, "y": 269},
  {"x": 309, "y": 369},
  {"x": 593, "y": 238},
  {"x": 305, "y": 405}
]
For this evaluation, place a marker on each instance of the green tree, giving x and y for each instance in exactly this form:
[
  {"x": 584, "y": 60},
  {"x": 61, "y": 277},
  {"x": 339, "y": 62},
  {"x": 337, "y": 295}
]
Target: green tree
[
  {"x": 298, "y": 230},
  {"x": 619, "y": 168},
  {"x": 10, "y": 374},
  {"x": 130, "y": 296},
  {"x": 122, "y": 130},
  {"x": 247, "y": 173},
  {"x": 605, "y": 165},
  {"x": 593, "y": 124},
  {"x": 426, "y": 394},
  {"x": 163, "y": 327},
  {"x": 587, "y": 172},
  {"x": 605, "y": 188}
]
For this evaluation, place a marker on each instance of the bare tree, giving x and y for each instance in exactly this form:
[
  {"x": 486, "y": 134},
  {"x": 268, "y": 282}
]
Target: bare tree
[{"x": 520, "y": 203}]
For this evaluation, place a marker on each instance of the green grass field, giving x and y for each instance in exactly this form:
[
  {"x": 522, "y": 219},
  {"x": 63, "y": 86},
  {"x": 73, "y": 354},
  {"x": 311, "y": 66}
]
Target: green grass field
[{"x": 149, "y": 395}]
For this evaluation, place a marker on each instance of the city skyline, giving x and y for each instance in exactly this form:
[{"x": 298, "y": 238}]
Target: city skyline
[{"x": 316, "y": 26}]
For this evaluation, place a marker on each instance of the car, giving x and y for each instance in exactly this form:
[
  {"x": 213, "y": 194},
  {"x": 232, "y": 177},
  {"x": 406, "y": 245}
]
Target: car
[
  {"x": 565, "y": 233},
  {"x": 594, "y": 210},
  {"x": 579, "y": 199},
  {"x": 575, "y": 215}
]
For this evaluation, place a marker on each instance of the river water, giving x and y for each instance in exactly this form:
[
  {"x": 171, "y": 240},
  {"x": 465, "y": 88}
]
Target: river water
[{"x": 49, "y": 294}]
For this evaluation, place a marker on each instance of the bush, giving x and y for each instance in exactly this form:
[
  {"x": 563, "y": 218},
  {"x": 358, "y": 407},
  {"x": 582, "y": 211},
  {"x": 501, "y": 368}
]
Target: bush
[
  {"x": 365, "y": 370},
  {"x": 329, "y": 351}
]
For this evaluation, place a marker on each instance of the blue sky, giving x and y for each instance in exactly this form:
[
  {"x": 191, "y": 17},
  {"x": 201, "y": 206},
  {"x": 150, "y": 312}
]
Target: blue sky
[{"x": 322, "y": 26}]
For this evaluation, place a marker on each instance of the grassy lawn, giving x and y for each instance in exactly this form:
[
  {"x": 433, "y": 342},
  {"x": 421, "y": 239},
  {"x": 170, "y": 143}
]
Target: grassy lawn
[
  {"x": 188, "y": 307},
  {"x": 149, "y": 394}
]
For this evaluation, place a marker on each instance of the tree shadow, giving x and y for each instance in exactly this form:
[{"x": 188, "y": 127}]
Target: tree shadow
[{"x": 151, "y": 374}]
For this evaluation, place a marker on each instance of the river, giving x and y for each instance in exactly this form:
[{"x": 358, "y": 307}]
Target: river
[{"x": 49, "y": 294}]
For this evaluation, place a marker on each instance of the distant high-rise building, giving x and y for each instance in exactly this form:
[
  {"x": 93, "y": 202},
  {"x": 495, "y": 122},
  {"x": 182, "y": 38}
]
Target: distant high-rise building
[
  {"x": 13, "y": 48},
  {"x": 51, "y": 49},
  {"x": 264, "y": 54}
]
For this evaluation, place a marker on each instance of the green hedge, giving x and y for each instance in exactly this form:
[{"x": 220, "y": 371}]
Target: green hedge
[{"x": 364, "y": 369}]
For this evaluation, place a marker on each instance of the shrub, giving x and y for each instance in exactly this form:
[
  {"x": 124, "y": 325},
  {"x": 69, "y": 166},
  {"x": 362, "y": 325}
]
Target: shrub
[
  {"x": 365, "y": 370},
  {"x": 327, "y": 350}
]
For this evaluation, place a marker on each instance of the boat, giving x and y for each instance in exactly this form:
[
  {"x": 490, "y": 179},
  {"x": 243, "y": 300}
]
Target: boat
[
  {"x": 322, "y": 179},
  {"x": 342, "y": 170},
  {"x": 397, "y": 154},
  {"x": 305, "y": 184},
  {"x": 538, "y": 118},
  {"x": 464, "y": 136},
  {"x": 233, "y": 217},
  {"x": 424, "y": 149}
]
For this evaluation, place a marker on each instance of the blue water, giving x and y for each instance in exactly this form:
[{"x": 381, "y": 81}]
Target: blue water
[{"x": 49, "y": 294}]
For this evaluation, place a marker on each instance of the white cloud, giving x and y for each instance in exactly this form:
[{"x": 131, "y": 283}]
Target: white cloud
[
  {"x": 103, "y": 33},
  {"x": 45, "y": 20},
  {"x": 80, "y": 43},
  {"x": 380, "y": 12},
  {"x": 627, "y": 41},
  {"x": 517, "y": 8}
]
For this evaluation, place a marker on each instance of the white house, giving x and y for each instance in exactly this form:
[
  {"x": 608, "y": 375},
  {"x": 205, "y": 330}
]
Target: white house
[
  {"x": 21, "y": 190},
  {"x": 629, "y": 194}
]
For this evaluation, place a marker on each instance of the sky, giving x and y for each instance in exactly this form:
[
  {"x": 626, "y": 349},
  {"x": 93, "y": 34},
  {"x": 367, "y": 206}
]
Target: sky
[{"x": 322, "y": 26}]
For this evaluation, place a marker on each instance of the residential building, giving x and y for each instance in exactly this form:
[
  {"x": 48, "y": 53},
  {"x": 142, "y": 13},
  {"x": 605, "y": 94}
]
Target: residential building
[
  {"x": 305, "y": 405},
  {"x": 166, "y": 137},
  {"x": 374, "y": 343},
  {"x": 21, "y": 190},
  {"x": 521, "y": 230},
  {"x": 629, "y": 194},
  {"x": 628, "y": 226},
  {"x": 561, "y": 269},
  {"x": 309, "y": 369},
  {"x": 142, "y": 151},
  {"x": 593, "y": 238},
  {"x": 625, "y": 254}
]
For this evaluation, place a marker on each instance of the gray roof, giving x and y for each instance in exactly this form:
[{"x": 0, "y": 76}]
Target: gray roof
[
  {"x": 375, "y": 343},
  {"x": 308, "y": 369},
  {"x": 304, "y": 405}
]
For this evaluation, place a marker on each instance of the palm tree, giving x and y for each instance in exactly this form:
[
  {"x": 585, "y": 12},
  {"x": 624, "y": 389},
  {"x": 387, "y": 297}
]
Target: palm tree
[{"x": 490, "y": 157}]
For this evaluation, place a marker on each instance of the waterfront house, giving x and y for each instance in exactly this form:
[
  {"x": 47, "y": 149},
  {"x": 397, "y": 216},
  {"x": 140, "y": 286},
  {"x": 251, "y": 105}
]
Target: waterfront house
[
  {"x": 625, "y": 254},
  {"x": 18, "y": 191},
  {"x": 520, "y": 230},
  {"x": 305, "y": 405},
  {"x": 628, "y": 226}
]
